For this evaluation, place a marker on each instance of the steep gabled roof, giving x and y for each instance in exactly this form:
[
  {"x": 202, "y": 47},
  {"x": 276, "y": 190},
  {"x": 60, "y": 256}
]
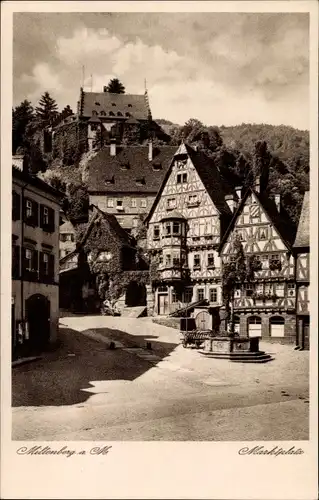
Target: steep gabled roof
[
  {"x": 303, "y": 236},
  {"x": 209, "y": 176},
  {"x": 126, "y": 104},
  {"x": 127, "y": 168},
  {"x": 280, "y": 221}
]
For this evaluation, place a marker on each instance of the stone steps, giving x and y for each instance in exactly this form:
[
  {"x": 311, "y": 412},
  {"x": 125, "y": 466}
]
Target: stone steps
[{"x": 240, "y": 357}]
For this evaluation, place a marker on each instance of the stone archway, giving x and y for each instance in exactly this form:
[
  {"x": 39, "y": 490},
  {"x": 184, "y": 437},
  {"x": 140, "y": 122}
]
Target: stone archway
[
  {"x": 37, "y": 310},
  {"x": 135, "y": 294}
]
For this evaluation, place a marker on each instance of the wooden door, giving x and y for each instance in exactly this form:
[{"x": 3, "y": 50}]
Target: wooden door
[
  {"x": 203, "y": 321},
  {"x": 305, "y": 336},
  {"x": 163, "y": 307}
]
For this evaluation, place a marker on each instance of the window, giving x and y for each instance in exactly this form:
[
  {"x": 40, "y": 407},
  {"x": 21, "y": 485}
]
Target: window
[
  {"x": 157, "y": 165},
  {"x": 176, "y": 227},
  {"x": 119, "y": 204},
  {"x": 45, "y": 216},
  {"x": 45, "y": 264},
  {"x": 180, "y": 163},
  {"x": 94, "y": 113},
  {"x": 168, "y": 228},
  {"x": 264, "y": 261},
  {"x": 168, "y": 260},
  {"x": 113, "y": 104},
  {"x": 268, "y": 288},
  {"x": 174, "y": 297},
  {"x": 156, "y": 232},
  {"x": 15, "y": 261},
  {"x": 176, "y": 260},
  {"x": 240, "y": 235},
  {"x": 93, "y": 127},
  {"x": 181, "y": 178},
  {"x": 15, "y": 206},
  {"x": 135, "y": 222},
  {"x": 200, "y": 294},
  {"x": 249, "y": 290},
  {"x": 213, "y": 295},
  {"x": 275, "y": 257},
  {"x": 208, "y": 227},
  {"x": 210, "y": 260},
  {"x": 133, "y": 203},
  {"x": 28, "y": 211},
  {"x": 279, "y": 289},
  {"x": 28, "y": 259},
  {"x": 110, "y": 202},
  {"x": 291, "y": 290},
  {"x": 196, "y": 228},
  {"x": 143, "y": 203},
  {"x": 259, "y": 288},
  {"x": 188, "y": 295},
  {"x": 160, "y": 259},
  {"x": 127, "y": 114},
  {"x": 192, "y": 199},
  {"x": 97, "y": 103},
  {"x": 263, "y": 233},
  {"x": 111, "y": 113},
  {"x": 103, "y": 113},
  {"x": 129, "y": 105},
  {"x": 171, "y": 203},
  {"x": 196, "y": 260},
  {"x": 119, "y": 113}
]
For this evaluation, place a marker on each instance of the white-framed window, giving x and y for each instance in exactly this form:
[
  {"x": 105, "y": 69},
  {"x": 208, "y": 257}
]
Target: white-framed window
[
  {"x": 210, "y": 260},
  {"x": 181, "y": 178},
  {"x": 156, "y": 232},
  {"x": 176, "y": 259},
  {"x": 279, "y": 289},
  {"x": 28, "y": 208},
  {"x": 133, "y": 203},
  {"x": 196, "y": 260},
  {"x": 171, "y": 203},
  {"x": 180, "y": 163},
  {"x": 192, "y": 199},
  {"x": 213, "y": 294},
  {"x": 110, "y": 202},
  {"x": 143, "y": 202},
  {"x": 208, "y": 227},
  {"x": 176, "y": 228},
  {"x": 168, "y": 259},
  {"x": 45, "y": 264},
  {"x": 291, "y": 290},
  {"x": 174, "y": 297},
  {"x": 168, "y": 229},
  {"x": 200, "y": 293},
  {"x": 196, "y": 228},
  {"x": 237, "y": 293},
  {"x": 260, "y": 288},
  {"x": 268, "y": 288},
  {"x": 28, "y": 259},
  {"x": 263, "y": 233},
  {"x": 265, "y": 261},
  {"x": 188, "y": 295},
  {"x": 45, "y": 215}
]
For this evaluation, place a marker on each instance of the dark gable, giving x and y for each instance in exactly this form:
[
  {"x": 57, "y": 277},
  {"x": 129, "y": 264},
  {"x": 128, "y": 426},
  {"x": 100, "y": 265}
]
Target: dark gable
[{"x": 125, "y": 105}]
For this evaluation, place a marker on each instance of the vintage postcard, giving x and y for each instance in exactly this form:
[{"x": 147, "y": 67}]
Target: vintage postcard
[{"x": 159, "y": 325}]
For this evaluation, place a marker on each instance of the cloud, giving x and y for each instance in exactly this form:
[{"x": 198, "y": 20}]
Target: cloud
[{"x": 221, "y": 68}]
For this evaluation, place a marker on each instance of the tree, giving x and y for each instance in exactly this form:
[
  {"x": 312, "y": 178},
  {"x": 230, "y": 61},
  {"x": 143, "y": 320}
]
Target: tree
[
  {"x": 22, "y": 116},
  {"x": 115, "y": 87},
  {"x": 47, "y": 109}
]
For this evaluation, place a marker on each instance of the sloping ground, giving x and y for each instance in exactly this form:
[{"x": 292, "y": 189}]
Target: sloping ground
[
  {"x": 170, "y": 322},
  {"x": 134, "y": 312}
]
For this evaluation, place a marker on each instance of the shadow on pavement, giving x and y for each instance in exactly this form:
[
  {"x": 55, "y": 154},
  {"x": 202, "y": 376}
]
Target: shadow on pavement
[{"x": 60, "y": 377}]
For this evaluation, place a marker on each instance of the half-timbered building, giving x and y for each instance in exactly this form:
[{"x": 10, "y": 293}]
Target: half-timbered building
[
  {"x": 302, "y": 248},
  {"x": 265, "y": 306},
  {"x": 185, "y": 225}
]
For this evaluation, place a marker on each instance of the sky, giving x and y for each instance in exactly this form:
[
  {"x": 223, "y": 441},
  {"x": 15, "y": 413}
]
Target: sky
[{"x": 221, "y": 68}]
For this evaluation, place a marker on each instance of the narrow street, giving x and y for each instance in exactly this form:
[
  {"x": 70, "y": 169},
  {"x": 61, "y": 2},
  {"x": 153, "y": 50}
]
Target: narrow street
[{"x": 86, "y": 391}]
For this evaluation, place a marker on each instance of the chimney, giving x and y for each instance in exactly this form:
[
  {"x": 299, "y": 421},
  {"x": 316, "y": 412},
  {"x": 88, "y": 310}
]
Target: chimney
[
  {"x": 238, "y": 190},
  {"x": 17, "y": 161},
  {"x": 257, "y": 184},
  {"x": 150, "y": 150},
  {"x": 113, "y": 147},
  {"x": 231, "y": 202},
  {"x": 277, "y": 201}
]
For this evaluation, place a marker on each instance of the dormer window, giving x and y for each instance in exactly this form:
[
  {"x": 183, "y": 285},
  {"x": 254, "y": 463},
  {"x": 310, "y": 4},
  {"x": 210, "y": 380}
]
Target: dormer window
[
  {"x": 94, "y": 113},
  {"x": 157, "y": 166},
  {"x": 103, "y": 113},
  {"x": 129, "y": 105},
  {"x": 111, "y": 113},
  {"x": 113, "y": 104},
  {"x": 125, "y": 165},
  {"x": 128, "y": 114},
  {"x": 140, "y": 181},
  {"x": 119, "y": 113},
  {"x": 97, "y": 103},
  {"x": 109, "y": 180}
]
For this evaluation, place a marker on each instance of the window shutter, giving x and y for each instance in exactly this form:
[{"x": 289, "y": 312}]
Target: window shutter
[
  {"x": 15, "y": 261},
  {"x": 16, "y": 203},
  {"x": 24, "y": 215},
  {"x": 51, "y": 228},
  {"x": 41, "y": 216},
  {"x": 24, "y": 259},
  {"x": 35, "y": 260},
  {"x": 51, "y": 266},
  {"x": 41, "y": 265},
  {"x": 35, "y": 213}
]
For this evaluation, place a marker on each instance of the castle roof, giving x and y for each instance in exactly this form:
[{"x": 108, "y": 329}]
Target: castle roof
[
  {"x": 130, "y": 170},
  {"x": 127, "y": 105},
  {"x": 302, "y": 236}
]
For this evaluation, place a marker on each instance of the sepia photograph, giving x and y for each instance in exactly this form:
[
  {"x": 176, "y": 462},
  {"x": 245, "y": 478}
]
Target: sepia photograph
[{"x": 160, "y": 227}]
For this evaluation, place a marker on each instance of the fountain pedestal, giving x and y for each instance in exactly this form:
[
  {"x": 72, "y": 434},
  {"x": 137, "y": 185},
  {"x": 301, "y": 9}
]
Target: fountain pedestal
[{"x": 240, "y": 349}]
